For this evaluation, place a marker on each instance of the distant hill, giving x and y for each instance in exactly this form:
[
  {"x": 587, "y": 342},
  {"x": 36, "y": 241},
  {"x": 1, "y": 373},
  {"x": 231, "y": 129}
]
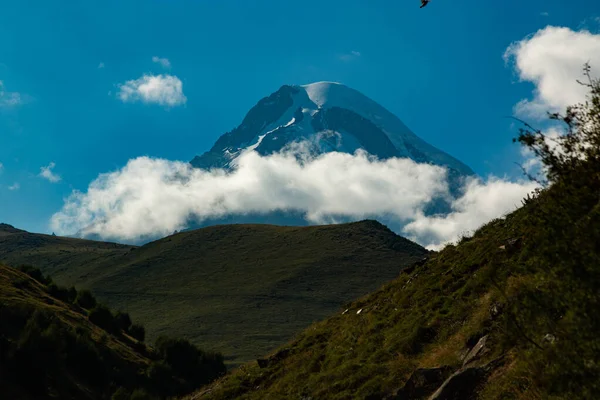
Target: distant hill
[{"x": 240, "y": 289}]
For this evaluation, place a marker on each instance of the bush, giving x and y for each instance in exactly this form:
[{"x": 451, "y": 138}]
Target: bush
[
  {"x": 123, "y": 321},
  {"x": 138, "y": 332},
  {"x": 85, "y": 299},
  {"x": 103, "y": 317},
  {"x": 121, "y": 394},
  {"x": 141, "y": 394},
  {"x": 35, "y": 273},
  {"x": 62, "y": 293},
  {"x": 190, "y": 363}
]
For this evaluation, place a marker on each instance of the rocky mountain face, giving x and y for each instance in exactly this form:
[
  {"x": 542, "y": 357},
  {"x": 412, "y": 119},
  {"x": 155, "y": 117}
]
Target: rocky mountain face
[{"x": 329, "y": 117}]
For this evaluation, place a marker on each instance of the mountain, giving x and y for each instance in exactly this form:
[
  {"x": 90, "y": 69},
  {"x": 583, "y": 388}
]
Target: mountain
[
  {"x": 331, "y": 117},
  {"x": 241, "y": 289}
]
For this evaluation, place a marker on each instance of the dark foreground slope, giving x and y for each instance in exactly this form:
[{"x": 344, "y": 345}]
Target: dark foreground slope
[
  {"x": 62, "y": 344},
  {"x": 241, "y": 289}
]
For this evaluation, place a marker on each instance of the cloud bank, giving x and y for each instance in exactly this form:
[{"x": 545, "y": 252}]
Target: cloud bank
[
  {"x": 46, "y": 173},
  {"x": 165, "y": 90},
  {"x": 552, "y": 59},
  {"x": 163, "y": 62},
  {"x": 156, "y": 196}
]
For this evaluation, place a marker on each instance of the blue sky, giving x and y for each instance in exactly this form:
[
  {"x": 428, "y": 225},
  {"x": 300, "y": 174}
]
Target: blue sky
[{"x": 440, "y": 69}]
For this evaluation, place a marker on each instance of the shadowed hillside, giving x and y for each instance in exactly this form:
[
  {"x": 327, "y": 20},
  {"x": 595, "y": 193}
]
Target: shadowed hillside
[
  {"x": 59, "y": 343},
  {"x": 243, "y": 289}
]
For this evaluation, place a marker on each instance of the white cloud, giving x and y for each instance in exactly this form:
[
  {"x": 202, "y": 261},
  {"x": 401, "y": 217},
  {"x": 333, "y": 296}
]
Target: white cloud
[
  {"x": 350, "y": 56},
  {"x": 155, "y": 196},
  {"x": 552, "y": 59},
  {"x": 482, "y": 202},
  {"x": 9, "y": 99},
  {"x": 164, "y": 62},
  {"x": 545, "y": 14},
  {"x": 1, "y": 167},
  {"x": 46, "y": 173},
  {"x": 14, "y": 186},
  {"x": 101, "y": 65},
  {"x": 165, "y": 90}
]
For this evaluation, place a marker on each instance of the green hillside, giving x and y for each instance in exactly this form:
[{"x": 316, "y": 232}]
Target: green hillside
[
  {"x": 509, "y": 313},
  {"x": 240, "y": 289},
  {"x": 57, "y": 343}
]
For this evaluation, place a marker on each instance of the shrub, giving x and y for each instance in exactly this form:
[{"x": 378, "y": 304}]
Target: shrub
[
  {"x": 85, "y": 299},
  {"x": 189, "y": 362},
  {"x": 138, "y": 332},
  {"x": 62, "y": 293},
  {"x": 123, "y": 321},
  {"x": 103, "y": 317},
  {"x": 35, "y": 273}
]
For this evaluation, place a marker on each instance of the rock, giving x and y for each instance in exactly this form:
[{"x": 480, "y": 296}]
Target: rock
[
  {"x": 496, "y": 310},
  {"x": 460, "y": 385},
  {"x": 476, "y": 351},
  {"x": 422, "y": 382},
  {"x": 549, "y": 338}
]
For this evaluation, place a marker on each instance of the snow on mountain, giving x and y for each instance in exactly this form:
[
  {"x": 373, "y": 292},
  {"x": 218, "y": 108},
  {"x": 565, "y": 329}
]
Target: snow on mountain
[{"x": 331, "y": 117}]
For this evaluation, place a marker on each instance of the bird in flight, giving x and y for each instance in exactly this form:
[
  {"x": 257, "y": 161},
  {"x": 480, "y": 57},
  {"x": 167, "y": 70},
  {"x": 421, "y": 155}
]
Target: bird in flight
[{"x": 424, "y": 3}]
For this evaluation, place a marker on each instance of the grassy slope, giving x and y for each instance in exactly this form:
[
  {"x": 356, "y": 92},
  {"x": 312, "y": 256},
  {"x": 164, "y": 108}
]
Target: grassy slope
[
  {"x": 20, "y": 292},
  {"x": 68, "y": 258},
  {"x": 239, "y": 289},
  {"x": 425, "y": 318}
]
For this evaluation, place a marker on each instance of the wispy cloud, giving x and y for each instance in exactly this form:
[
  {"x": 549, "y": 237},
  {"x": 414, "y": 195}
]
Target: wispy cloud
[
  {"x": 46, "y": 173},
  {"x": 552, "y": 59},
  {"x": 14, "y": 186},
  {"x": 1, "y": 167},
  {"x": 165, "y": 90},
  {"x": 155, "y": 196},
  {"x": 164, "y": 62},
  {"x": 353, "y": 55},
  {"x": 545, "y": 14},
  {"x": 9, "y": 99},
  {"x": 101, "y": 65}
]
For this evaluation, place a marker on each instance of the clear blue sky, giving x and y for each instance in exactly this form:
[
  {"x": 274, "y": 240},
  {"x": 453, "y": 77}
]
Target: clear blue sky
[{"x": 440, "y": 69}]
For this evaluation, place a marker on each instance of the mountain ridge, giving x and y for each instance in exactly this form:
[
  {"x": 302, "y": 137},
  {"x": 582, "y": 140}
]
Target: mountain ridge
[
  {"x": 212, "y": 283},
  {"x": 287, "y": 115}
]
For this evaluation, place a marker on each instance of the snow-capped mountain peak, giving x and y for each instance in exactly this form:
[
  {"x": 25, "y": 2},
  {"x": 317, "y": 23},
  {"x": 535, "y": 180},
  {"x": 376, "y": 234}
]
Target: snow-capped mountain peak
[{"x": 330, "y": 116}]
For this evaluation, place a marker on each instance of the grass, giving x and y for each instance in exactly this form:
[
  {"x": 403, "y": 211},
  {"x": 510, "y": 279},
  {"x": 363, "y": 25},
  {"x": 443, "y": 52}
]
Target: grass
[
  {"x": 430, "y": 315},
  {"x": 242, "y": 290},
  {"x": 22, "y": 300}
]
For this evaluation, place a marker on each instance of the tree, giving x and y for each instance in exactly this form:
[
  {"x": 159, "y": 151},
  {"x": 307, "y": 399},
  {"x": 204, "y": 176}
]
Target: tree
[
  {"x": 103, "y": 317},
  {"x": 123, "y": 321},
  {"x": 85, "y": 299},
  {"x": 138, "y": 332}
]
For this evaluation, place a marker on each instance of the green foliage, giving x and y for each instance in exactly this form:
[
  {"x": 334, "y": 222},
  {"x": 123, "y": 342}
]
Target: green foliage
[
  {"x": 49, "y": 349},
  {"x": 184, "y": 360},
  {"x": 141, "y": 394},
  {"x": 138, "y": 332},
  {"x": 123, "y": 321},
  {"x": 104, "y": 318},
  {"x": 121, "y": 394},
  {"x": 35, "y": 273},
  {"x": 61, "y": 293},
  {"x": 86, "y": 299}
]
